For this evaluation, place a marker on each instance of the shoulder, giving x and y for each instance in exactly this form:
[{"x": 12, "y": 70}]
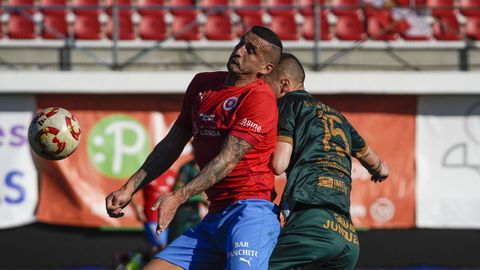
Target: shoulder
[
  {"x": 210, "y": 76},
  {"x": 206, "y": 80},
  {"x": 298, "y": 98},
  {"x": 263, "y": 91}
]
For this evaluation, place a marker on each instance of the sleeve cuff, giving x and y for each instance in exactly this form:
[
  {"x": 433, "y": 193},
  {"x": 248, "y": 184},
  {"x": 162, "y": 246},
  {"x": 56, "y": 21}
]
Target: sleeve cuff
[
  {"x": 362, "y": 152},
  {"x": 245, "y": 136},
  {"x": 284, "y": 138}
]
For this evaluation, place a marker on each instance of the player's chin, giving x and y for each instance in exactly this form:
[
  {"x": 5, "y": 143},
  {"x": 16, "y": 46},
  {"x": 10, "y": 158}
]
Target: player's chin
[{"x": 233, "y": 67}]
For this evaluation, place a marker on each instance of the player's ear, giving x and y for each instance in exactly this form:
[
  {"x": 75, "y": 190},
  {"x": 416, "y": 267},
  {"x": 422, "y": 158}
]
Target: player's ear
[
  {"x": 267, "y": 68},
  {"x": 285, "y": 86}
]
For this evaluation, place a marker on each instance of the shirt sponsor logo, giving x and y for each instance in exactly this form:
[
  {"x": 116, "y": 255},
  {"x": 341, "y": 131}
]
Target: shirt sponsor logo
[
  {"x": 242, "y": 249},
  {"x": 246, "y": 261},
  {"x": 230, "y": 103},
  {"x": 207, "y": 117},
  {"x": 251, "y": 125},
  {"x": 210, "y": 131}
]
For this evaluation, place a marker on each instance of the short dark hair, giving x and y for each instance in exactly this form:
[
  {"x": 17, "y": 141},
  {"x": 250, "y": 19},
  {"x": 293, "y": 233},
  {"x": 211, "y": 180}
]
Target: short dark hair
[
  {"x": 267, "y": 35},
  {"x": 290, "y": 64}
]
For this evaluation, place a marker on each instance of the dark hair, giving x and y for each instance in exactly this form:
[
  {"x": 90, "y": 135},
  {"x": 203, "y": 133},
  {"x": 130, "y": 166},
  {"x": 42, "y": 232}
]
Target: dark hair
[
  {"x": 291, "y": 65},
  {"x": 267, "y": 35}
]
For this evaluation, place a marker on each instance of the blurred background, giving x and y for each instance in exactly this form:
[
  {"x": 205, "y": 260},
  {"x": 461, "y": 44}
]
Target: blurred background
[{"x": 404, "y": 72}]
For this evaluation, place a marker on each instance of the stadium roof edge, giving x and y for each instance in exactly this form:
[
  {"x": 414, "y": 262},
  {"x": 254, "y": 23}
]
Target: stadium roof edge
[{"x": 177, "y": 82}]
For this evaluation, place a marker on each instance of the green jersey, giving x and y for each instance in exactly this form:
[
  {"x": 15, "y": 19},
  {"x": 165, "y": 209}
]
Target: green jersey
[
  {"x": 186, "y": 174},
  {"x": 323, "y": 143}
]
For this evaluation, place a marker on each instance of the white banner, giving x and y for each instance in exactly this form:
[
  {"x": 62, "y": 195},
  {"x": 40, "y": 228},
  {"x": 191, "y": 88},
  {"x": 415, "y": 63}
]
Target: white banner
[
  {"x": 18, "y": 175},
  {"x": 448, "y": 162}
]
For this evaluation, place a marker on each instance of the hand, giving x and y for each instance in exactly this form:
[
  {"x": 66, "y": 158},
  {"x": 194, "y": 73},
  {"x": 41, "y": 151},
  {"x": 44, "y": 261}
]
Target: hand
[
  {"x": 167, "y": 205},
  {"x": 116, "y": 201},
  {"x": 381, "y": 174}
]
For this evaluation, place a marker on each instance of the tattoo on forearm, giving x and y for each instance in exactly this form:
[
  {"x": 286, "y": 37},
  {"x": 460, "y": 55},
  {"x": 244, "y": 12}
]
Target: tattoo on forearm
[
  {"x": 138, "y": 177},
  {"x": 233, "y": 150}
]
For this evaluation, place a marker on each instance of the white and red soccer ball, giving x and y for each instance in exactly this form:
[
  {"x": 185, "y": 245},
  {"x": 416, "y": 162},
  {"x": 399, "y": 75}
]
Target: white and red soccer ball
[{"x": 54, "y": 133}]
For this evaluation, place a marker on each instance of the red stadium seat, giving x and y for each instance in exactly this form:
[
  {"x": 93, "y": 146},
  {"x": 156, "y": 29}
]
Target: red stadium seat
[
  {"x": 124, "y": 7},
  {"x": 87, "y": 27},
  {"x": 309, "y": 27},
  {"x": 151, "y": 7},
  {"x": 215, "y": 4},
  {"x": 285, "y": 27},
  {"x": 349, "y": 27},
  {"x": 307, "y": 7},
  {"x": 183, "y": 7},
  {"x": 470, "y": 7},
  {"x": 153, "y": 27},
  {"x": 125, "y": 28},
  {"x": 247, "y": 21},
  {"x": 345, "y": 7},
  {"x": 280, "y": 7},
  {"x": 1, "y": 30},
  {"x": 86, "y": 7},
  {"x": 54, "y": 27},
  {"x": 23, "y": 4},
  {"x": 381, "y": 25},
  {"x": 248, "y": 7},
  {"x": 410, "y": 3},
  {"x": 185, "y": 27},
  {"x": 218, "y": 27},
  {"x": 441, "y": 7},
  {"x": 53, "y": 7},
  {"x": 447, "y": 28},
  {"x": 20, "y": 27},
  {"x": 472, "y": 28}
]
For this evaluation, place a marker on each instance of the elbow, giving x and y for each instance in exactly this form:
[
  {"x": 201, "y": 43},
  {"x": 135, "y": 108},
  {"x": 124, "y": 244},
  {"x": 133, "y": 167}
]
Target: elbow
[{"x": 278, "y": 167}]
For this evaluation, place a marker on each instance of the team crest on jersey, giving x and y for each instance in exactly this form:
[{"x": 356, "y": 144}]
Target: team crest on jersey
[{"x": 230, "y": 103}]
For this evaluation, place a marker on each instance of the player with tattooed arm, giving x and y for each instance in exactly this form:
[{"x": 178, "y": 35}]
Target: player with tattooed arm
[{"x": 232, "y": 117}]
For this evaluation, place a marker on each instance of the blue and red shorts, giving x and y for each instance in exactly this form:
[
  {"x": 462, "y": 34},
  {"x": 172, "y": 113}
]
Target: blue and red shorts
[{"x": 242, "y": 236}]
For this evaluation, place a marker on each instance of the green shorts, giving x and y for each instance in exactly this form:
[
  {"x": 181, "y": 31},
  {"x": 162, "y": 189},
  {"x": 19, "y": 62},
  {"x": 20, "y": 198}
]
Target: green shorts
[{"x": 316, "y": 238}]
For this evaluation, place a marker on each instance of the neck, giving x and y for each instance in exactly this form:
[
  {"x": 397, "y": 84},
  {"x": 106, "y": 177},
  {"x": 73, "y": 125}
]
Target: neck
[
  {"x": 299, "y": 86},
  {"x": 233, "y": 79}
]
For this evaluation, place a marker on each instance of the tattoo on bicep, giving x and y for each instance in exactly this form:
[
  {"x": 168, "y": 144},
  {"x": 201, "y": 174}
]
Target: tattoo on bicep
[{"x": 233, "y": 150}]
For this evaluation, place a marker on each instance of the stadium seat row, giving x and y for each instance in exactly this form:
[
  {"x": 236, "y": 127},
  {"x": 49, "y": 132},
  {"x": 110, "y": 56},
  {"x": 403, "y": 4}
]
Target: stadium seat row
[{"x": 341, "y": 19}]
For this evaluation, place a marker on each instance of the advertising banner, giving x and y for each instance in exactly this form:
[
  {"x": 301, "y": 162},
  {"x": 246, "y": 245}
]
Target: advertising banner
[
  {"x": 448, "y": 162},
  {"x": 18, "y": 175},
  {"x": 118, "y": 133}
]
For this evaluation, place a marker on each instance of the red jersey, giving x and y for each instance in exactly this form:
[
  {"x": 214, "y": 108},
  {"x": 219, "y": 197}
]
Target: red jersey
[
  {"x": 163, "y": 183},
  {"x": 212, "y": 111}
]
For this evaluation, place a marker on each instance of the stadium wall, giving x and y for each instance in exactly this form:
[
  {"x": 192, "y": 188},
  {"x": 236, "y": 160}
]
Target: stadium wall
[{"x": 426, "y": 125}]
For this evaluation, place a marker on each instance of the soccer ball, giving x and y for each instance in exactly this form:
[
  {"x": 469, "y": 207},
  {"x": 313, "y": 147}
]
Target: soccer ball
[{"x": 54, "y": 133}]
